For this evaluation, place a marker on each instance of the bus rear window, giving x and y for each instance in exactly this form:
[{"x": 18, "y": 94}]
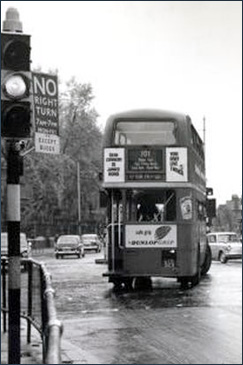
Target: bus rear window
[{"x": 145, "y": 133}]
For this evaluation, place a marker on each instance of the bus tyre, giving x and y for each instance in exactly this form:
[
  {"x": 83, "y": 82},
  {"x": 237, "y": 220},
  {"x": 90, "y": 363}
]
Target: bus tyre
[
  {"x": 184, "y": 281},
  {"x": 222, "y": 258},
  {"x": 207, "y": 262},
  {"x": 128, "y": 284},
  {"x": 143, "y": 283},
  {"x": 117, "y": 282},
  {"x": 195, "y": 279}
]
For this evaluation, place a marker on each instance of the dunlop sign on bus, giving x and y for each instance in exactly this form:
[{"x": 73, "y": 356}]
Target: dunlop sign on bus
[
  {"x": 45, "y": 95},
  {"x": 150, "y": 236}
]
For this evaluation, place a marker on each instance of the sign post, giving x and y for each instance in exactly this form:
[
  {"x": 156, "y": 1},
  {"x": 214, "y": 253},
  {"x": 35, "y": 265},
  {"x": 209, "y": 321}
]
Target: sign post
[{"x": 45, "y": 101}]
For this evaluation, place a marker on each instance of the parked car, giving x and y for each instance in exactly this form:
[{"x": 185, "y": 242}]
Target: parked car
[
  {"x": 91, "y": 242},
  {"x": 25, "y": 246},
  {"x": 225, "y": 246},
  {"x": 69, "y": 245}
]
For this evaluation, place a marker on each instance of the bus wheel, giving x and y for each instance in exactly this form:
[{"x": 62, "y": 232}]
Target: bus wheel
[
  {"x": 117, "y": 282},
  {"x": 143, "y": 283},
  {"x": 128, "y": 284},
  {"x": 184, "y": 282},
  {"x": 195, "y": 279},
  {"x": 207, "y": 262}
]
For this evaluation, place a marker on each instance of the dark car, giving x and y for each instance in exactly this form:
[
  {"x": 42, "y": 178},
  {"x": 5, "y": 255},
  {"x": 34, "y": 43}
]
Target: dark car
[
  {"x": 69, "y": 245},
  {"x": 91, "y": 242}
]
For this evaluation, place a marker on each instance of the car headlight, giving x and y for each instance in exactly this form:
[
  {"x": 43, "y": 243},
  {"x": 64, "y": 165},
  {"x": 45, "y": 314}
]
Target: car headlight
[{"x": 228, "y": 248}]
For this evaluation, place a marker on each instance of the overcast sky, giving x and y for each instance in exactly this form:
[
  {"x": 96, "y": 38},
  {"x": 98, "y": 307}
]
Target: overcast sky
[{"x": 184, "y": 56}]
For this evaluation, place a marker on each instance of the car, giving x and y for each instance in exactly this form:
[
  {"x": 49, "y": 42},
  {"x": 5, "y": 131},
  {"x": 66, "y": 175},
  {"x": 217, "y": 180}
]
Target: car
[
  {"x": 69, "y": 245},
  {"x": 25, "y": 246},
  {"x": 91, "y": 242},
  {"x": 225, "y": 246}
]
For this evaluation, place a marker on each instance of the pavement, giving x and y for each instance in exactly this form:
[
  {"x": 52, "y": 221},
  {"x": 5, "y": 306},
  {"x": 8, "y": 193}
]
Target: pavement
[{"x": 30, "y": 353}]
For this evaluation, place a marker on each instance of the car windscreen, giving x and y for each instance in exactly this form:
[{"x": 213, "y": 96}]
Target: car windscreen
[
  {"x": 89, "y": 238},
  {"x": 227, "y": 238},
  {"x": 67, "y": 239}
]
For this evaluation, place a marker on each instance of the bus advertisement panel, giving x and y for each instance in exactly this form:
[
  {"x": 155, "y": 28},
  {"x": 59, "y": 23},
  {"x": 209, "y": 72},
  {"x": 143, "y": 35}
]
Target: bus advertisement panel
[
  {"x": 150, "y": 236},
  {"x": 147, "y": 164}
]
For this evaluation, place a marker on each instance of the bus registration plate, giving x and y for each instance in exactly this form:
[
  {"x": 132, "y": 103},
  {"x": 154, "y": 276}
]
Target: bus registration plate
[
  {"x": 169, "y": 258},
  {"x": 168, "y": 263}
]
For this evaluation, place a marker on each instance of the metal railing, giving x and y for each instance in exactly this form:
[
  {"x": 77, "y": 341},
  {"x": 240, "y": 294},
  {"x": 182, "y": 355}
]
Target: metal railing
[{"x": 37, "y": 307}]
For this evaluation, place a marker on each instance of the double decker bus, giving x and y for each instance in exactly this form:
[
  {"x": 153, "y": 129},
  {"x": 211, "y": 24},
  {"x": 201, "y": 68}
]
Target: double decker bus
[{"x": 154, "y": 180}]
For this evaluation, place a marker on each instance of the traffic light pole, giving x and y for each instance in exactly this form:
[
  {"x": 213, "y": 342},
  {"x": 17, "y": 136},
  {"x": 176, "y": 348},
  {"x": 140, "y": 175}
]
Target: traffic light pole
[
  {"x": 16, "y": 102},
  {"x": 13, "y": 224}
]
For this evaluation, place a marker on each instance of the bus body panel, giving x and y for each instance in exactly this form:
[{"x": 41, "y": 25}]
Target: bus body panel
[
  {"x": 172, "y": 173},
  {"x": 180, "y": 260}
]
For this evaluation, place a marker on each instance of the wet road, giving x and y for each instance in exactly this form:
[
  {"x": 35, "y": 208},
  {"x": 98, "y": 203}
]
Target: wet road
[{"x": 167, "y": 325}]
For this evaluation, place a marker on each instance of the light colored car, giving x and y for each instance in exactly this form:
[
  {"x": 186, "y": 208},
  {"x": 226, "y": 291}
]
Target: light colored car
[
  {"x": 69, "y": 245},
  {"x": 91, "y": 242},
  {"x": 25, "y": 246},
  {"x": 225, "y": 246}
]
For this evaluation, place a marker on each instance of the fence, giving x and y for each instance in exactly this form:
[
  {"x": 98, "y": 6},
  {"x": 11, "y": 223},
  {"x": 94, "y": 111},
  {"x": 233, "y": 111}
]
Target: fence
[
  {"x": 34, "y": 229},
  {"x": 37, "y": 307}
]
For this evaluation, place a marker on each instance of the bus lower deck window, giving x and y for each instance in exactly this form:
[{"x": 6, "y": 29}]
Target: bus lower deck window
[{"x": 145, "y": 206}]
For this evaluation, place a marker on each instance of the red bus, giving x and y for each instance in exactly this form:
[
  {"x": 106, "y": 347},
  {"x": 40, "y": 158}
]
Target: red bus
[{"x": 154, "y": 179}]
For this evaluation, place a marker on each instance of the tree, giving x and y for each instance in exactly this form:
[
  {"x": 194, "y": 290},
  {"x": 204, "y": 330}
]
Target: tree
[
  {"x": 52, "y": 179},
  {"x": 224, "y": 220},
  {"x": 81, "y": 140}
]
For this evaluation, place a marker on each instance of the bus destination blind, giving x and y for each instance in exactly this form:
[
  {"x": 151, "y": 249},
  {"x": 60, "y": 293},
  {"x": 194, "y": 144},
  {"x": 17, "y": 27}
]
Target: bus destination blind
[{"x": 145, "y": 164}]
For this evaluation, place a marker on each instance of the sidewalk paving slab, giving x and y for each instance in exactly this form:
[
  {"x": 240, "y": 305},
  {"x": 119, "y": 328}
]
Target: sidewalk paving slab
[{"x": 30, "y": 353}]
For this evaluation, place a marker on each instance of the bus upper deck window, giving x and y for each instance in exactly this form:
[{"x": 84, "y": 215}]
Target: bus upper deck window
[{"x": 148, "y": 132}]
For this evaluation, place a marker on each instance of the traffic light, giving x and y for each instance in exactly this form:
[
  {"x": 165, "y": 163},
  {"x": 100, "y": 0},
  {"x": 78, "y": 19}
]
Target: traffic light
[
  {"x": 209, "y": 191},
  {"x": 211, "y": 208},
  {"x": 15, "y": 85}
]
